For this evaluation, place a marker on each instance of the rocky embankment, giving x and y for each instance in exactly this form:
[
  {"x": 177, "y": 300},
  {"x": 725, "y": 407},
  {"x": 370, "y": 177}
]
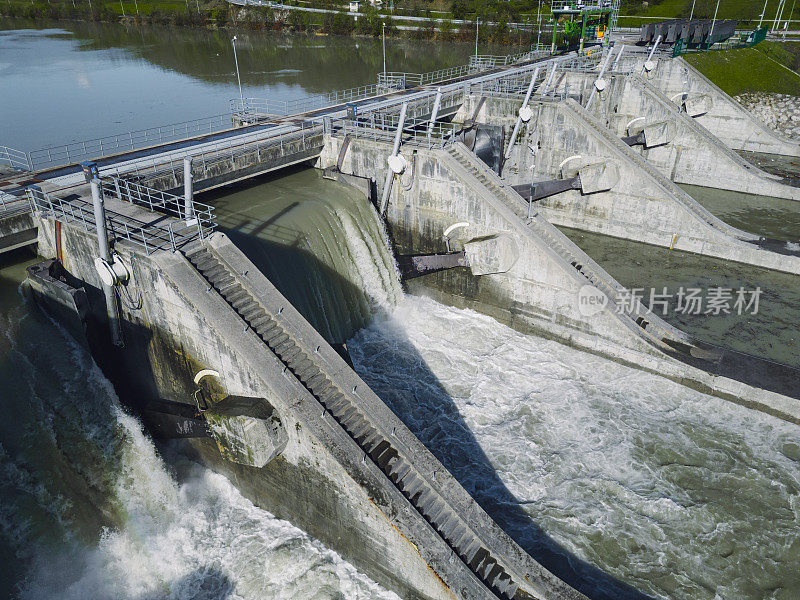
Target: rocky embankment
[{"x": 778, "y": 111}]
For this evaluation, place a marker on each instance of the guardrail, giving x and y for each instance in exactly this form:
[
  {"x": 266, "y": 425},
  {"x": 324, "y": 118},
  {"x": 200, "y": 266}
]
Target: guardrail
[
  {"x": 15, "y": 158},
  {"x": 255, "y": 107},
  {"x": 10, "y": 205},
  {"x": 64, "y": 154},
  {"x": 160, "y": 234},
  {"x": 487, "y": 61},
  {"x": 231, "y": 148},
  {"x": 401, "y": 80},
  {"x": 382, "y": 126}
]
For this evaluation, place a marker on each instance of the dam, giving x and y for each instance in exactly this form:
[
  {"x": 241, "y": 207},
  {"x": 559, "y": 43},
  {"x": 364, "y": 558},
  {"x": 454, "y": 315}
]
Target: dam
[{"x": 343, "y": 454}]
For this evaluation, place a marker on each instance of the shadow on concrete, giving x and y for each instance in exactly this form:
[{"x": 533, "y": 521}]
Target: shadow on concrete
[
  {"x": 431, "y": 414},
  {"x": 322, "y": 295}
]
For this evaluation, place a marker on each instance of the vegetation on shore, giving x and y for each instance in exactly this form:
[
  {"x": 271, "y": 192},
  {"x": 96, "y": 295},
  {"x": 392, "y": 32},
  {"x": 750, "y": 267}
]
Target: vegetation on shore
[
  {"x": 747, "y": 11},
  {"x": 769, "y": 67},
  {"x": 219, "y": 13}
]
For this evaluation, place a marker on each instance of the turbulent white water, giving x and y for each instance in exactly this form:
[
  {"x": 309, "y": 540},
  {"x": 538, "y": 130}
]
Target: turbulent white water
[
  {"x": 677, "y": 493},
  {"x": 90, "y": 510}
]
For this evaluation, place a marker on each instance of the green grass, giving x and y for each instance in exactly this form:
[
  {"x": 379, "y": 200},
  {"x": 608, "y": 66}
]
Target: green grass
[
  {"x": 757, "y": 69},
  {"x": 744, "y": 10}
]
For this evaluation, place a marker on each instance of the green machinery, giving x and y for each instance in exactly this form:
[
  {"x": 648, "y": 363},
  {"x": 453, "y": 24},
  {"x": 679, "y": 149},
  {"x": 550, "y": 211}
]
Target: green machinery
[{"x": 577, "y": 22}]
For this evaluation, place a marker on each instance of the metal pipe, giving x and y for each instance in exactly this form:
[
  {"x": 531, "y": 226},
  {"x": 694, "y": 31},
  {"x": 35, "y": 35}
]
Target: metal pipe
[
  {"x": 549, "y": 78},
  {"x": 188, "y": 188},
  {"x": 761, "y": 17},
  {"x": 399, "y": 133},
  {"x": 518, "y": 124},
  {"x": 650, "y": 56},
  {"x": 599, "y": 76},
  {"x": 435, "y": 112},
  {"x": 616, "y": 60},
  {"x": 387, "y": 186},
  {"x": 238, "y": 78},
  {"x": 105, "y": 254},
  {"x": 384, "y": 49},
  {"x": 714, "y": 22},
  {"x": 777, "y": 14}
]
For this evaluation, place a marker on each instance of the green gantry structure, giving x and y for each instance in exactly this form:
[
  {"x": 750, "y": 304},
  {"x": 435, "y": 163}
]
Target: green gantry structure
[{"x": 578, "y": 22}]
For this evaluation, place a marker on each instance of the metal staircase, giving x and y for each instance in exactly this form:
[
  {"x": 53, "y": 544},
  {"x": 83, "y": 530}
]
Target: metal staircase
[
  {"x": 381, "y": 448},
  {"x": 634, "y": 315}
]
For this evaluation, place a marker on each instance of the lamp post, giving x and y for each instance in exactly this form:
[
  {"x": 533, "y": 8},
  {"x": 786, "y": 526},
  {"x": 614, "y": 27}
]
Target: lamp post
[
  {"x": 384, "y": 48},
  {"x": 691, "y": 14},
  {"x": 538, "y": 24},
  {"x": 713, "y": 22},
  {"x": 477, "y": 25},
  {"x": 238, "y": 78}
]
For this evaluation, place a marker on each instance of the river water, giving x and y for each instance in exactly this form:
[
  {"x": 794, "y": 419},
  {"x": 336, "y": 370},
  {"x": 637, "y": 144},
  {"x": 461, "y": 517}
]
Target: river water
[
  {"x": 88, "y": 509},
  {"x": 587, "y": 463}
]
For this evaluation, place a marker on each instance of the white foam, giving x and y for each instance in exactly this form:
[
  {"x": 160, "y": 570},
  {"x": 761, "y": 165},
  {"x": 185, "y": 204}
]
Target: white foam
[
  {"x": 196, "y": 539},
  {"x": 673, "y": 491},
  {"x": 78, "y": 455}
]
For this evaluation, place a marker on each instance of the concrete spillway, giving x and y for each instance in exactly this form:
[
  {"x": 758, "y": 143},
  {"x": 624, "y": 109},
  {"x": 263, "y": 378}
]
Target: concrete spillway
[
  {"x": 541, "y": 290},
  {"x": 221, "y": 354},
  {"x": 685, "y": 151},
  {"x": 644, "y": 205},
  {"x": 725, "y": 118},
  {"x": 361, "y": 481}
]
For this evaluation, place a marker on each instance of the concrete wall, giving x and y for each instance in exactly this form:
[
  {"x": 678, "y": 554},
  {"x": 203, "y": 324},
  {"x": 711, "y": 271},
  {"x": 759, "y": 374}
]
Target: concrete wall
[
  {"x": 17, "y": 229},
  {"x": 644, "y": 205},
  {"x": 175, "y": 325},
  {"x": 539, "y": 294},
  {"x": 726, "y": 119},
  {"x": 693, "y": 154},
  {"x": 318, "y": 483}
]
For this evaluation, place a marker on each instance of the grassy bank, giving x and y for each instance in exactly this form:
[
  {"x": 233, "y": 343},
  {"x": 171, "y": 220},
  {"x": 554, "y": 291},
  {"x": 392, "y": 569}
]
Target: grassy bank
[
  {"x": 747, "y": 11},
  {"x": 768, "y": 67}
]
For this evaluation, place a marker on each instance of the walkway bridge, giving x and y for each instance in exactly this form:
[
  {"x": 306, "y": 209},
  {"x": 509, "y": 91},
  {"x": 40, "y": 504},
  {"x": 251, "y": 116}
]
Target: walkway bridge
[{"x": 258, "y": 136}]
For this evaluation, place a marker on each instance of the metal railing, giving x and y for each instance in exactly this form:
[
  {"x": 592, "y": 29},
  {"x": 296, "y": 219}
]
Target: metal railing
[
  {"x": 153, "y": 235},
  {"x": 10, "y": 205},
  {"x": 382, "y": 126},
  {"x": 401, "y": 80},
  {"x": 64, "y": 154},
  {"x": 229, "y": 149},
  {"x": 578, "y": 5},
  {"x": 15, "y": 158},
  {"x": 255, "y": 107},
  {"x": 483, "y": 62}
]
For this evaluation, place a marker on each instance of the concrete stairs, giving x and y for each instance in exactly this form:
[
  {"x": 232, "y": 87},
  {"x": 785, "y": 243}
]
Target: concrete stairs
[
  {"x": 639, "y": 319},
  {"x": 377, "y": 446}
]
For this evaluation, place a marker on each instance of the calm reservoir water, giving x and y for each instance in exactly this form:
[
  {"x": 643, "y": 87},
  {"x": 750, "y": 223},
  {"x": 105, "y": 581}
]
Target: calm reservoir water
[{"x": 617, "y": 479}]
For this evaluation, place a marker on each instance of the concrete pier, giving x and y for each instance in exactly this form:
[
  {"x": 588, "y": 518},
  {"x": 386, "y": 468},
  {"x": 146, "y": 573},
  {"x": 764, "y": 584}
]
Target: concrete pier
[
  {"x": 643, "y": 206},
  {"x": 336, "y": 461},
  {"x": 688, "y": 152},
  {"x": 541, "y": 292},
  {"x": 725, "y": 118}
]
